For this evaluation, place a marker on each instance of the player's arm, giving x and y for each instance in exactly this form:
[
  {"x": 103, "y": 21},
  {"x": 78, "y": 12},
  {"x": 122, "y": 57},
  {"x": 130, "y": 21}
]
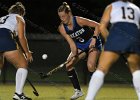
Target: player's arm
[
  {"x": 22, "y": 37},
  {"x": 105, "y": 21},
  {"x": 69, "y": 39},
  {"x": 87, "y": 22}
]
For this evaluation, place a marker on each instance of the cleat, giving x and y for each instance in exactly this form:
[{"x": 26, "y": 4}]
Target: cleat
[
  {"x": 20, "y": 97},
  {"x": 78, "y": 93}
]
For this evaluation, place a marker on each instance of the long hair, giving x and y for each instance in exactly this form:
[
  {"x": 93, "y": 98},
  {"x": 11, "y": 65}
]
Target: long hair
[
  {"x": 17, "y": 8},
  {"x": 64, "y": 7}
]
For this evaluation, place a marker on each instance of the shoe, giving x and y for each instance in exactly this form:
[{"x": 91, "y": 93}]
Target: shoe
[
  {"x": 78, "y": 93},
  {"x": 20, "y": 97}
]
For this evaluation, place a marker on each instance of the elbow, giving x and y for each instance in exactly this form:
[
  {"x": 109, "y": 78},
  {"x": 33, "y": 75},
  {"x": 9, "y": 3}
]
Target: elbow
[{"x": 21, "y": 37}]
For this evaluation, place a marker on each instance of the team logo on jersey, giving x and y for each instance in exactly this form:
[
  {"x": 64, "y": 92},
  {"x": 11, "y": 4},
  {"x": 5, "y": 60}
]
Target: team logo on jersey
[{"x": 77, "y": 33}]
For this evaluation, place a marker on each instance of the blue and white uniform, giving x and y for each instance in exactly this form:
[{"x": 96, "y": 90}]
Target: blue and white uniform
[
  {"x": 124, "y": 34},
  {"x": 82, "y": 36},
  {"x": 8, "y": 26}
]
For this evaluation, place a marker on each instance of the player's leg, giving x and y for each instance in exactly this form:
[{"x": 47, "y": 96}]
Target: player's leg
[
  {"x": 72, "y": 74},
  {"x": 1, "y": 61},
  {"x": 97, "y": 79},
  {"x": 92, "y": 60},
  {"x": 134, "y": 65},
  {"x": 16, "y": 58}
]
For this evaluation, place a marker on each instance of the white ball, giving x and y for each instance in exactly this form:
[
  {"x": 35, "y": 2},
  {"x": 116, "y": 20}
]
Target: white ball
[{"x": 44, "y": 56}]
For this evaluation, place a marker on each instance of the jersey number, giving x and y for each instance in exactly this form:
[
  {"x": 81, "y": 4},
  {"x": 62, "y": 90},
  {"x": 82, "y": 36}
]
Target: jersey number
[
  {"x": 131, "y": 14},
  {"x": 80, "y": 39},
  {"x": 3, "y": 19}
]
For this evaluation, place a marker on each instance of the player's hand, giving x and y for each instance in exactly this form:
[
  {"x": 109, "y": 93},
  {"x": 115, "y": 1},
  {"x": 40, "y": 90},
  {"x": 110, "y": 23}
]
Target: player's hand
[
  {"x": 92, "y": 46},
  {"x": 29, "y": 56}
]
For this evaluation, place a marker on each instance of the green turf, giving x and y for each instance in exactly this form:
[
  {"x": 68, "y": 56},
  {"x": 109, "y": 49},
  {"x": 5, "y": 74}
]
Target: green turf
[{"x": 52, "y": 91}]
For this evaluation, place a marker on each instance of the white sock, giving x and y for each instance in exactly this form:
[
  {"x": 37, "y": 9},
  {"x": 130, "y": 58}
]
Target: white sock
[
  {"x": 21, "y": 76},
  {"x": 18, "y": 81},
  {"x": 95, "y": 84},
  {"x": 136, "y": 82}
]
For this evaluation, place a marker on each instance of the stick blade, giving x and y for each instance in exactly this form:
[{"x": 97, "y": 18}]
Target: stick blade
[{"x": 35, "y": 93}]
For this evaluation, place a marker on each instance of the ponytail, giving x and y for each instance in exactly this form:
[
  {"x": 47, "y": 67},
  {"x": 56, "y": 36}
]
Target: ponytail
[{"x": 64, "y": 7}]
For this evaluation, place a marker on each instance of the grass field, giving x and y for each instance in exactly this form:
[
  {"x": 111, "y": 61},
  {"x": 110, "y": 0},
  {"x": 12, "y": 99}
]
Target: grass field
[{"x": 65, "y": 91}]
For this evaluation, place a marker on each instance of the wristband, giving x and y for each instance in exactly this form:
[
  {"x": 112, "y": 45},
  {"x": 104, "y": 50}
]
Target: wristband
[{"x": 95, "y": 37}]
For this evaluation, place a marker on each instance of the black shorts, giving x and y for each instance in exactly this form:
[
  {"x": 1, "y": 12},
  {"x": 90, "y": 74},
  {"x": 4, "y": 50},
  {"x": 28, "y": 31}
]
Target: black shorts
[
  {"x": 7, "y": 42},
  {"x": 85, "y": 46}
]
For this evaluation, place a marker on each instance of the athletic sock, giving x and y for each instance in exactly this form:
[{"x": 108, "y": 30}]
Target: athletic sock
[
  {"x": 95, "y": 84},
  {"x": 136, "y": 82},
  {"x": 74, "y": 79},
  {"x": 21, "y": 75}
]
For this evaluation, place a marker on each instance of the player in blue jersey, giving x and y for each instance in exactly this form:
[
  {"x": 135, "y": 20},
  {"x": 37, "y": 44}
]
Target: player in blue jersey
[
  {"x": 10, "y": 24},
  {"x": 78, "y": 33},
  {"x": 123, "y": 38}
]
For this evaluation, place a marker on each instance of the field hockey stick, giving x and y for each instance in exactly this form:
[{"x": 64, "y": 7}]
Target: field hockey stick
[
  {"x": 34, "y": 89},
  {"x": 45, "y": 75}
]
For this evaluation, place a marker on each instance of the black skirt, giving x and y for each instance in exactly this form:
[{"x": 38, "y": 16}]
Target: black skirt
[
  {"x": 123, "y": 38},
  {"x": 7, "y": 42}
]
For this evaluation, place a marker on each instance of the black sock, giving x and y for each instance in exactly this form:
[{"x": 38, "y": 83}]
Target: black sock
[{"x": 74, "y": 79}]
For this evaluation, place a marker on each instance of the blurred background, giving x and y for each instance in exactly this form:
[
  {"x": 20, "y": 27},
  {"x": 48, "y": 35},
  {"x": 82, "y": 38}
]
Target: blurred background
[{"x": 41, "y": 23}]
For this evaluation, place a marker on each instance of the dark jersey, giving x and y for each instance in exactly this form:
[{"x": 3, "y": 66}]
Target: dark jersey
[{"x": 79, "y": 34}]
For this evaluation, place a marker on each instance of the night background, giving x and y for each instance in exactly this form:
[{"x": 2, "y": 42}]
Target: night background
[
  {"x": 43, "y": 38},
  {"x": 44, "y": 12}
]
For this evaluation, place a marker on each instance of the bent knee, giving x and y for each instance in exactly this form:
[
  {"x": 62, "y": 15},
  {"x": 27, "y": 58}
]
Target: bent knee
[
  {"x": 103, "y": 69},
  {"x": 133, "y": 61},
  {"x": 22, "y": 65},
  {"x": 91, "y": 68}
]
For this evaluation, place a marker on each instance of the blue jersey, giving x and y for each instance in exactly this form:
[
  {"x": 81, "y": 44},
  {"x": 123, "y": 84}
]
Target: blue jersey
[
  {"x": 79, "y": 34},
  {"x": 82, "y": 36}
]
